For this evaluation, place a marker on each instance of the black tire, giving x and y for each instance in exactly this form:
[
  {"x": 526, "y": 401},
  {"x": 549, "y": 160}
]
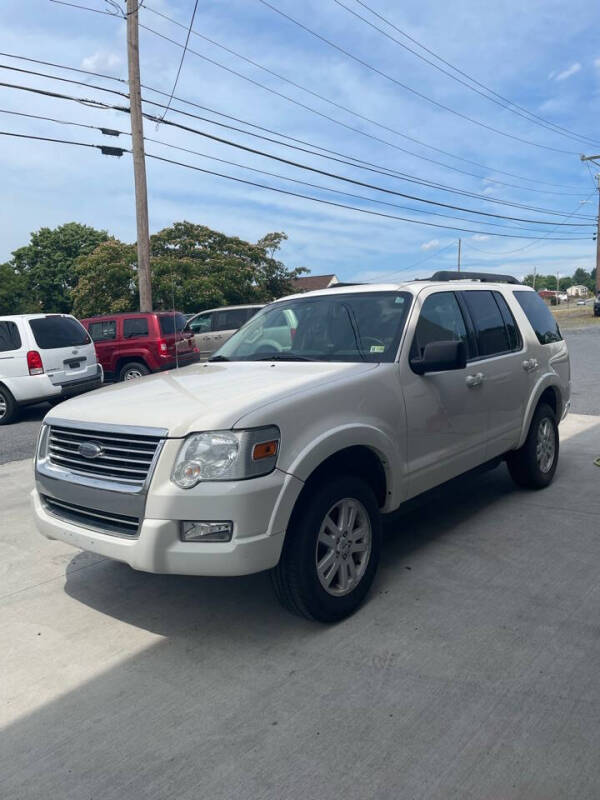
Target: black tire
[
  {"x": 526, "y": 466},
  {"x": 296, "y": 580},
  {"x": 133, "y": 369},
  {"x": 8, "y": 408}
]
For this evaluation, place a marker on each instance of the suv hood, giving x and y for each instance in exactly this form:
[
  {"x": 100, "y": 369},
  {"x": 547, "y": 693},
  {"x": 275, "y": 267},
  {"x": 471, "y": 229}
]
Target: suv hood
[{"x": 210, "y": 396}]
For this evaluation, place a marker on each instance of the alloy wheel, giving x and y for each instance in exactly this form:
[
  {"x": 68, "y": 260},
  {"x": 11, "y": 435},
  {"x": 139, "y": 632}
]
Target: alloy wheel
[
  {"x": 545, "y": 445},
  {"x": 343, "y": 547}
]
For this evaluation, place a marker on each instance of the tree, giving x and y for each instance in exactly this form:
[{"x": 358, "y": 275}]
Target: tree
[
  {"x": 106, "y": 280},
  {"x": 192, "y": 267},
  {"x": 14, "y": 297},
  {"x": 47, "y": 263}
]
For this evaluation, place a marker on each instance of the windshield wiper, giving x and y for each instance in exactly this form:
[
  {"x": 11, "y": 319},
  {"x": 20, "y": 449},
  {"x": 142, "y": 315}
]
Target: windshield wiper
[
  {"x": 219, "y": 358},
  {"x": 283, "y": 357}
]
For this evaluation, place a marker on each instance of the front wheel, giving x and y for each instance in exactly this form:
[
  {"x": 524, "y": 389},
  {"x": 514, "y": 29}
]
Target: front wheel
[
  {"x": 533, "y": 465},
  {"x": 331, "y": 551}
]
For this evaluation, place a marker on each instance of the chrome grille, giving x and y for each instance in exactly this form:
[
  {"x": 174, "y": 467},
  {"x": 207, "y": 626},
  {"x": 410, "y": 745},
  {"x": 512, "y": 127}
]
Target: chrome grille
[
  {"x": 124, "y": 457},
  {"x": 92, "y": 518}
]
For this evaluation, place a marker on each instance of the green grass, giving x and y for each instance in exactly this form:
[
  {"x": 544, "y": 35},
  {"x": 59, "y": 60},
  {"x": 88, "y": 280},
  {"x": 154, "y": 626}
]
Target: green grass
[{"x": 573, "y": 316}]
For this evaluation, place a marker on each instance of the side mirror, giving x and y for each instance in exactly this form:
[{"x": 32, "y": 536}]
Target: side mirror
[{"x": 440, "y": 357}]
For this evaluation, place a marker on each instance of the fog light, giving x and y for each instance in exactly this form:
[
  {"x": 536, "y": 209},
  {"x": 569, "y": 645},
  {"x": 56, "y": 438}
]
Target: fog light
[{"x": 206, "y": 531}]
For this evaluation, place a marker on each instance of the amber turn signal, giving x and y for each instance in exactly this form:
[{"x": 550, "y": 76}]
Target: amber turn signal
[{"x": 264, "y": 450}]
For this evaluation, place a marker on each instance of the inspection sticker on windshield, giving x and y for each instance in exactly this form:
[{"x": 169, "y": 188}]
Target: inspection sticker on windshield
[{"x": 377, "y": 348}]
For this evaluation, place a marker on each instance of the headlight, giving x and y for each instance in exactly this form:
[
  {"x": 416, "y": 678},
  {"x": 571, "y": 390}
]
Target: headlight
[{"x": 226, "y": 456}]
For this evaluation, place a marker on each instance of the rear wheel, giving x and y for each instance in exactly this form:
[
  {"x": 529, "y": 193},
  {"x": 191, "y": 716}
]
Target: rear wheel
[
  {"x": 8, "y": 407},
  {"x": 533, "y": 465},
  {"x": 331, "y": 551},
  {"x": 133, "y": 369}
]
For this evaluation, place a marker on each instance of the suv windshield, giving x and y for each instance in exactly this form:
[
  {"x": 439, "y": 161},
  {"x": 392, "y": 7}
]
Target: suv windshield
[
  {"x": 332, "y": 327},
  {"x": 53, "y": 332}
]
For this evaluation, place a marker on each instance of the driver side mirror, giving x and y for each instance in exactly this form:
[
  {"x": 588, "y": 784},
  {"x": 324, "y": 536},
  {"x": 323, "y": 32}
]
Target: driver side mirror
[{"x": 440, "y": 357}]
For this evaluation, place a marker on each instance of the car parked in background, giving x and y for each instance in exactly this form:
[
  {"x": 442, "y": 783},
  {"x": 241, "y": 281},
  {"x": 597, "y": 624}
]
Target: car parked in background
[
  {"x": 44, "y": 357},
  {"x": 213, "y": 327},
  {"x": 130, "y": 345}
]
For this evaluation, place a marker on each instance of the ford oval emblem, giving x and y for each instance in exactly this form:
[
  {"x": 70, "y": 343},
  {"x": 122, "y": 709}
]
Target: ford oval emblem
[{"x": 90, "y": 450}]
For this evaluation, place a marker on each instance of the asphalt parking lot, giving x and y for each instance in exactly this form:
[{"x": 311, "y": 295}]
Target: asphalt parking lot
[{"x": 471, "y": 673}]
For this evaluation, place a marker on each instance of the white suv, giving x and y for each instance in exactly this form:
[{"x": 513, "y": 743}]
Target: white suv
[
  {"x": 285, "y": 456},
  {"x": 44, "y": 357}
]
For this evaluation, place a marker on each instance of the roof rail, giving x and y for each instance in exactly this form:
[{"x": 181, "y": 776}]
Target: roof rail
[{"x": 484, "y": 277}]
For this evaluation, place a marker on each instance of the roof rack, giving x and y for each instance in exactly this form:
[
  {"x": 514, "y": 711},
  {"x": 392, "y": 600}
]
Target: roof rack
[{"x": 484, "y": 277}]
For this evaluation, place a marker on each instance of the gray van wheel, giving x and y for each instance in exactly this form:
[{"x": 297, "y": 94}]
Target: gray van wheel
[{"x": 8, "y": 407}]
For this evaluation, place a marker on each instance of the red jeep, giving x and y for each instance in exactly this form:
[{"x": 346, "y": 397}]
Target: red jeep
[{"x": 133, "y": 344}]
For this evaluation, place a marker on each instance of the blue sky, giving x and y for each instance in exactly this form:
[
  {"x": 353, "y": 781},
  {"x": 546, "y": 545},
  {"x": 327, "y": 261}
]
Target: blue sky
[{"x": 542, "y": 54}]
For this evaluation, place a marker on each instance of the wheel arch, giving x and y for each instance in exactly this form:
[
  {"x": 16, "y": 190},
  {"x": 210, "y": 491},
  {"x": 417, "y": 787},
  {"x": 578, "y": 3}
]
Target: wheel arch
[
  {"x": 133, "y": 359},
  {"x": 366, "y": 453},
  {"x": 547, "y": 391}
]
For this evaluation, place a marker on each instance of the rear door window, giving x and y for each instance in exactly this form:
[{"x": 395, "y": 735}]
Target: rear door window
[
  {"x": 51, "y": 333},
  {"x": 135, "y": 327},
  {"x": 514, "y": 334},
  {"x": 10, "y": 338},
  {"x": 441, "y": 320},
  {"x": 231, "y": 319},
  {"x": 171, "y": 323},
  {"x": 539, "y": 316},
  {"x": 490, "y": 330},
  {"x": 104, "y": 331}
]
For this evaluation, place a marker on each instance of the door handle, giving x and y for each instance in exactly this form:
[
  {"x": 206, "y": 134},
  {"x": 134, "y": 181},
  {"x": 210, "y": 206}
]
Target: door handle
[
  {"x": 474, "y": 380},
  {"x": 531, "y": 364}
]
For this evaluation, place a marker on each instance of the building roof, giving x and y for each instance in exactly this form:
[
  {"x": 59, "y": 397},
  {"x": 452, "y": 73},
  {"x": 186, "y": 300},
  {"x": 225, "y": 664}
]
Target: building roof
[{"x": 312, "y": 283}]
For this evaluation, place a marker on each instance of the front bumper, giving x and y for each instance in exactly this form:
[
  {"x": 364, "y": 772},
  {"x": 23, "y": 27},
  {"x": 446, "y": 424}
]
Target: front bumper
[{"x": 259, "y": 509}]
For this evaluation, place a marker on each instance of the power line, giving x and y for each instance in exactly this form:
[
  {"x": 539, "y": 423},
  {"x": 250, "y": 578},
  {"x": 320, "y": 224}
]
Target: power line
[
  {"x": 379, "y": 275},
  {"x": 342, "y": 205},
  {"x": 497, "y": 99},
  {"x": 333, "y": 103},
  {"x": 310, "y": 108},
  {"x": 326, "y": 173},
  {"x": 108, "y": 151},
  {"x": 360, "y": 165},
  {"x": 261, "y": 171},
  {"x": 409, "y": 88},
  {"x": 121, "y": 151},
  {"x": 527, "y": 246},
  {"x": 389, "y": 173},
  {"x": 464, "y": 74},
  {"x": 185, "y": 47},
  {"x": 266, "y": 172}
]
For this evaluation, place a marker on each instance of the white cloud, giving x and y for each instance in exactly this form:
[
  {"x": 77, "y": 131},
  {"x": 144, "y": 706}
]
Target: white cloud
[
  {"x": 103, "y": 61},
  {"x": 480, "y": 237},
  {"x": 430, "y": 244},
  {"x": 566, "y": 73},
  {"x": 597, "y": 62}
]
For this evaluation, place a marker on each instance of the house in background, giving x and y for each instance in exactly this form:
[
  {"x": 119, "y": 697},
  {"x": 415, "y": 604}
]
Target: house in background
[
  {"x": 578, "y": 291},
  {"x": 311, "y": 283}
]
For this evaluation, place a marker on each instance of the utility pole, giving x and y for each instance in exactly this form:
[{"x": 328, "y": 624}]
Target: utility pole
[
  {"x": 139, "y": 161},
  {"x": 594, "y": 160},
  {"x": 534, "y": 271},
  {"x": 459, "y": 243}
]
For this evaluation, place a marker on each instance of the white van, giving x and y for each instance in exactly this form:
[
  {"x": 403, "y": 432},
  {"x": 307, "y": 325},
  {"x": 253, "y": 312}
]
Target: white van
[{"x": 44, "y": 357}]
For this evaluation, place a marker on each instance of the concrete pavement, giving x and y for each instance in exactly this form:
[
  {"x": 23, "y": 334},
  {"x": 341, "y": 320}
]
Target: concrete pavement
[{"x": 471, "y": 673}]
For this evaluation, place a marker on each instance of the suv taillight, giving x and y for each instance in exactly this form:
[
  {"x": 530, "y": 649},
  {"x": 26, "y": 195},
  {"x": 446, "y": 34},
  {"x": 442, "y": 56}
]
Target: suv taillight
[
  {"x": 34, "y": 362},
  {"x": 162, "y": 346}
]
